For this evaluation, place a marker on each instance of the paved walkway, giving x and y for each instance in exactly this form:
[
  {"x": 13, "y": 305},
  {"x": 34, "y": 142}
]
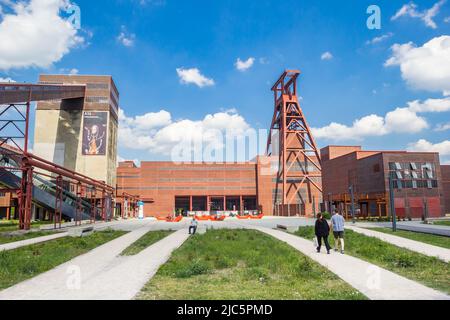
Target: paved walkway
[
  {"x": 27, "y": 242},
  {"x": 415, "y": 226},
  {"x": 374, "y": 282},
  {"x": 100, "y": 274},
  {"x": 417, "y": 246}
]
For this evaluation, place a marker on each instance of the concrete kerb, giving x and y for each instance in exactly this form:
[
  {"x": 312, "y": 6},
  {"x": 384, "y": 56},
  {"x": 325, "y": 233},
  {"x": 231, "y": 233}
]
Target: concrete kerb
[{"x": 80, "y": 232}]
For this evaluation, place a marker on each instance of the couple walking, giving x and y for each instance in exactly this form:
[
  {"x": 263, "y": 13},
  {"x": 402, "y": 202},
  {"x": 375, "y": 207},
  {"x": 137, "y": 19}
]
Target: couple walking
[{"x": 322, "y": 231}]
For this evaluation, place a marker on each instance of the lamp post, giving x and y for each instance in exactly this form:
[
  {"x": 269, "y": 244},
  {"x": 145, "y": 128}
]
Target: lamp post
[
  {"x": 392, "y": 203},
  {"x": 353, "y": 203}
]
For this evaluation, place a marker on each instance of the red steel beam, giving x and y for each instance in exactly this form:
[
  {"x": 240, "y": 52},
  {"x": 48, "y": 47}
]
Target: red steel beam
[{"x": 37, "y": 162}]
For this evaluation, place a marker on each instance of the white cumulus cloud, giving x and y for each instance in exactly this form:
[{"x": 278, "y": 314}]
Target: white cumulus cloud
[
  {"x": 158, "y": 133},
  {"x": 426, "y": 16},
  {"x": 426, "y": 146},
  {"x": 34, "y": 34},
  {"x": 430, "y": 105},
  {"x": 426, "y": 67},
  {"x": 193, "y": 76},
  {"x": 126, "y": 38},
  {"x": 6, "y": 80},
  {"x": 400, "y": 120},
  {"x": 244, "y": 65},
  {"x": 326, "y": 56},
  {"x": 380, "y": 38},
  {"x": 442, "y": 127}
]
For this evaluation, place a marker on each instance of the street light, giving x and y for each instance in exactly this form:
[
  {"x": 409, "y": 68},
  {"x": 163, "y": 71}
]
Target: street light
[{"x": 392, "y": 202}]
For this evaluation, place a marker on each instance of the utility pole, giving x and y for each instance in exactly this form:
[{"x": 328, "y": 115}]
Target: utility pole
[
  {"x": 392, "y": 203},
  {"x": 353, "y": 203}
]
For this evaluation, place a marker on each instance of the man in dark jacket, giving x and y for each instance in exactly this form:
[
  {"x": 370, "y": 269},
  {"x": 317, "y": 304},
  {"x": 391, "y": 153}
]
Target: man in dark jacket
[{"x": 322, "y": 230}]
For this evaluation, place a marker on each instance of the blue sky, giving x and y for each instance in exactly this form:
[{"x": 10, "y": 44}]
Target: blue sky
[{"x": 143, "y": 43}]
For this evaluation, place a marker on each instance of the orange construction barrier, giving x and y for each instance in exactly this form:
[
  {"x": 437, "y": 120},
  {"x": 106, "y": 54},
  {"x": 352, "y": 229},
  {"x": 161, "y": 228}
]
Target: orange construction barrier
[
  {"x": 242, "y": 217},
  {"x": 216, "y": 218},
  {"x": 170, "y": 219},
  {"x": 178, "y": 219},
  {"x": 203, "y": 218},
  {"x": 260, "y": 216}
]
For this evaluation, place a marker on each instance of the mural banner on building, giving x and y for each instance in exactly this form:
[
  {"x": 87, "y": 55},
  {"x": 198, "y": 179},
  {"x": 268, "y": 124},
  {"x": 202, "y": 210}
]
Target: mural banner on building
[{"x": 95, "y": 126}]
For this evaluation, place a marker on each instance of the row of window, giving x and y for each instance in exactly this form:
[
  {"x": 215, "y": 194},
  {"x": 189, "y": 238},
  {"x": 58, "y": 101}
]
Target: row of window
[
  {"x": 202, "y": 168},
  {"x": 188, "y": 188},
  {"x": 406, "y": 174},
  {"x": 415, "y": 184},
  {"x": 97, "y": 99},
  {"x": 415, "y": 166},
  {"x": 36, "y": 88},
  {"x": 195, "y": 179},
  {"x": 314, "y": 179},
  {"x": 98, "y": 86}
]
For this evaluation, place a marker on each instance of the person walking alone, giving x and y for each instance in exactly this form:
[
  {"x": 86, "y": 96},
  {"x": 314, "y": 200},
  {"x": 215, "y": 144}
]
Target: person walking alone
[
  {"x": 322, "y": 230},
  {"x": 337, "y": 222}
]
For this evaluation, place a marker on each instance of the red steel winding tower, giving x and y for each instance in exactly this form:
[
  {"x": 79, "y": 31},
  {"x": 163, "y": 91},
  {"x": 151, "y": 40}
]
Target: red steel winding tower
[{"x": 298, "y": 185}]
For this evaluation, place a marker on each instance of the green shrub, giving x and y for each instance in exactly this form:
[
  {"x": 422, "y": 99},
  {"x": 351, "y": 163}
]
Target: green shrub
[
  {"x": 326, "y": 215},
  {"x": 195, "y": 268}
]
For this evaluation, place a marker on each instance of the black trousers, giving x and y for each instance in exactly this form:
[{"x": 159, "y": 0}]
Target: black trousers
[
  {"x": 192, "y": 229},
  {"x": 325, "y": 240}
]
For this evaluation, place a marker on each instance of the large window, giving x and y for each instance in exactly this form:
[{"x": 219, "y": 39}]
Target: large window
[
  {"x": 413, "y": 175},
  {"x": 233, "y": 204},
  {"x": 199, "y": 203}
]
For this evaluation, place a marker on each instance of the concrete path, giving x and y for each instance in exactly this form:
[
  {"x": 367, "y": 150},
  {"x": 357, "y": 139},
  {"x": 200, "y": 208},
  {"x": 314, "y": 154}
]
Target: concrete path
[
  {"x": 100, "y": 274},
  {"x": 417, "y": 246},
  {"x": 374, "y": 282},
  {"x": 415, "y": 226},
  {"x": 122, "y": 225},
  {"x": 27, "y": 242}
]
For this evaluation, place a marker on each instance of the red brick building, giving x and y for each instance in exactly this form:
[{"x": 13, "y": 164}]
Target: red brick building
[
  {"x": 417, "y": 179},
  {"x": 235, "y": 188},
  {"x": 445, "y": 171}
]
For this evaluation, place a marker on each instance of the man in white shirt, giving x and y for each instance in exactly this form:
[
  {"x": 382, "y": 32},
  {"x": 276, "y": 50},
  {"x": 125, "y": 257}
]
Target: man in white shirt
[{"x": 337, "y": 222}]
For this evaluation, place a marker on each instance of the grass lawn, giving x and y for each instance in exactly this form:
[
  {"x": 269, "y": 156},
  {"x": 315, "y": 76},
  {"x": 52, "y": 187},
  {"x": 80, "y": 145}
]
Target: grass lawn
[
  {"x": 432, "y": 239},
  {"x": 429, "y": 271},
  {"x": 442, "y": 223},
  {"x": 26, "y": 262},
  {"x": 5, "y": 238},
  {"x": 13, "y": 225},
  {"x": 145, "y": 241},
  {"x": 242, "y": 265}
]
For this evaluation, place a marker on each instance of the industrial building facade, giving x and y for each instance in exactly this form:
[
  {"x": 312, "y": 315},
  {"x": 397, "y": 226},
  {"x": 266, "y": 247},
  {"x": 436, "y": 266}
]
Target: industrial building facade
[
  {"x": 229, "y": 188},
  {"x": 421, "y": 185},
  {"x": 80, "y": 134},
  {"x": 445, "y": 171},
  {"x": 416, "y": 177}
]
